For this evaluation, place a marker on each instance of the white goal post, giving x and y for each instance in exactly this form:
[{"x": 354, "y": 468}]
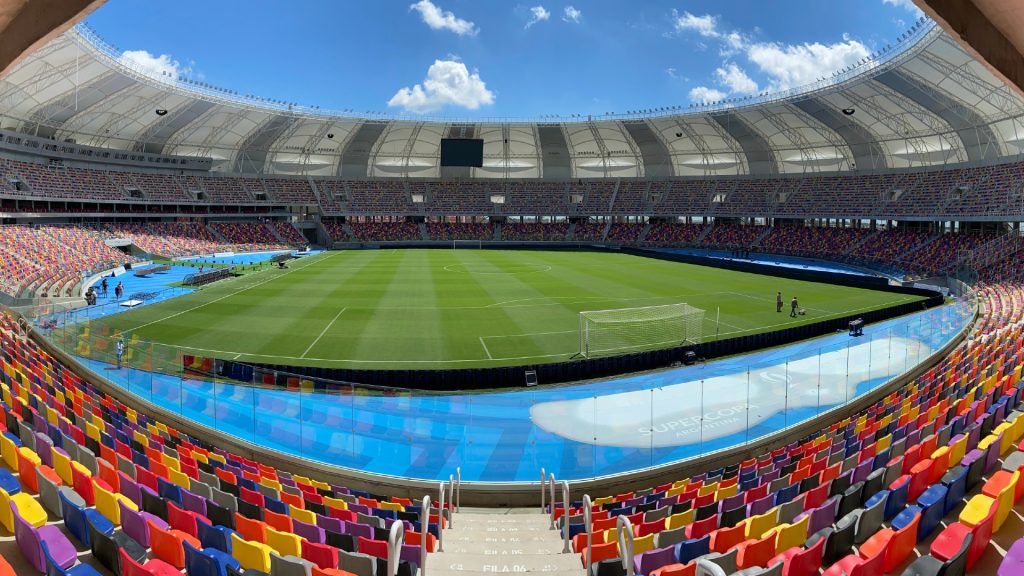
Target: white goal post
[
  {"x": 476, "y": 244},
  {"x": 635, "y": 329}
]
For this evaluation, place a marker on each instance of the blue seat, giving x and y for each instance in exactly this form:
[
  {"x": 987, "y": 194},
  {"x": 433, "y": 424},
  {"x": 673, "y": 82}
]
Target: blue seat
[
  {"x": 932, "y": 503},
  {"x": 897, "y": 498},
  {"x": 905, "y": 517},
  {"x": 77, "y": 518},
  {"x": 13, "y": 438},
  {"x": 9, "y": 483},
  {"x": 211, "y": 536},
  {"x": 168, "y": 491},
  {"x": 689, "y": 549},
  {"x": 208, "y": 562},
  {"x": 786, "y": 494},
  {"x": 955, "y": 481},
  {"x": 275, "y": 505}
]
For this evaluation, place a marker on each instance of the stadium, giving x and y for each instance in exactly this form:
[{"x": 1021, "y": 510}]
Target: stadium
[{"x": 773, "y": 332}]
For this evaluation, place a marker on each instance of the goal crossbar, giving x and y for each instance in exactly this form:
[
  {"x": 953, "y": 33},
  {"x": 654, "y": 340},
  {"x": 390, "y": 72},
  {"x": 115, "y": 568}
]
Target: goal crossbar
[{"x": 640, "y": 328}]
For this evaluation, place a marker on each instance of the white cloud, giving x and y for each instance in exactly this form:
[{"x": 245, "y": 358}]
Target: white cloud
[
  {"x": 439, "y": 19},
  {"x": 448, "y": 83},
  {"x": 906, "y": 5},
  {"x": 162, "y": 66},
  {"x": 789, "y": 66},
  {"x": 538, "y": 14},
  {"x": 735, "y": 79},
  {"x": 672, "y": 72},
  {"x": 706, "y": 25},
  {"x": 705, "y": 95},
  {"x": 572, "y": 14}
]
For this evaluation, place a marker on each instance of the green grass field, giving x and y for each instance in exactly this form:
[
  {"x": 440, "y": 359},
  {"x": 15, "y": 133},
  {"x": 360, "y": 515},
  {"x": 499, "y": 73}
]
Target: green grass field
[{"x": 460, "y": 308}]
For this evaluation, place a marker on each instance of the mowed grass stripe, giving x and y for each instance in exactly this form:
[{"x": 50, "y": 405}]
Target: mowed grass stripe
[{"x": 430, "y": 308}]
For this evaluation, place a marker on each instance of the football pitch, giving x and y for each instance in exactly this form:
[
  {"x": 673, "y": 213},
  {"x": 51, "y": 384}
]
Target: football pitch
[{"x": 464, "y": 308}]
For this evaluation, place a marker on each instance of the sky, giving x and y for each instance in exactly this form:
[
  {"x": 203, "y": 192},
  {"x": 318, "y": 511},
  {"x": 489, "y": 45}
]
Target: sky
[{"x": 497, "y": 59}]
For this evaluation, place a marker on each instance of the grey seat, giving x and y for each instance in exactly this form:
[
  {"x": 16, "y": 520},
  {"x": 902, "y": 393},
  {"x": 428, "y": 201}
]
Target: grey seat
[
  {"x": 667, "y": 538},
  {"x": 1013, "y": 461},
  {"x": 369, "y": 520},
  {"x": 28, "y": 437},
  {"x": 717, "y": 564},
  {"x": 223, "y": 499},
  {"x": 289, "y": 566},
  {"x": 789, "y": 510},
  {"x": 87, "y": 458},
  {"x": 48, "y": 493},
  {"x": 356, "y": 563},
  {"x": 869, "y": 520},
  {"x": 773, "y": 570},
  {"x": 656, "y": 514},
  {"x": 268, "y": 491},
  {"x": 200, "y": 488}
]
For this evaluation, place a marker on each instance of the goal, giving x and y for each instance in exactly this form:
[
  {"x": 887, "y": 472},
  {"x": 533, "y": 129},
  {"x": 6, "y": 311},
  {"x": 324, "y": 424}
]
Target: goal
[
  {"x": 633, "y": 329},
  {"x": 463, "y": 244}
]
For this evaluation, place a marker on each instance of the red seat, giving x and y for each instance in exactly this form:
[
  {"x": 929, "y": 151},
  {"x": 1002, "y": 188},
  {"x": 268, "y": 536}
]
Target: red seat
[
  {"x": 702, "y": 528},
  {"x": 677, "y": 570},
  {"x": 599, "y": 552},
  {"x": 322, "y": 555},
  {"x": 725, "y": 538},
  {"x": 949, "y": 541},
  {"x": 855, "y": 565},
  {"x": 801, "y": 561}
]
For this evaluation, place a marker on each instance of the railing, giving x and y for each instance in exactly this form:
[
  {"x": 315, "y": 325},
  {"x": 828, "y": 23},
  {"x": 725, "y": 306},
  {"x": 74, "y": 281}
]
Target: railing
[
  {"x": 566, "y": 503},
  {"x": 625, "y": 535},
  {"x": 588, "y": 521},
  {"x": 396, "y": 539},
  {"x": 440, "y": 517},
  {"x": 425, "y": 532}
]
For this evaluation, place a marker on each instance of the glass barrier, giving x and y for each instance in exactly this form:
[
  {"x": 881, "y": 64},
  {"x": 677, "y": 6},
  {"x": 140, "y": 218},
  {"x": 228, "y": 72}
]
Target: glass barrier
[{"x": 578, "y": 431}]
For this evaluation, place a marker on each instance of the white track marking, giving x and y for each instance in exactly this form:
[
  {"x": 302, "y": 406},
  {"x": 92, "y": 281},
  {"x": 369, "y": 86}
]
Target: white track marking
[
  {"x": 326, "y": 328},
  {"x": 235, "y": 293},
  {"x": 484, "y": 344}
]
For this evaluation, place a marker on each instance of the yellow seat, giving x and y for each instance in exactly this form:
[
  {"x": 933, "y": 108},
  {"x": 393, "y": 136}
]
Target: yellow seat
[
  {"x": 976, "y": 510},
  {"x": 106, "y": 503},
  {"x": 987, "y": 441},
  {"x": 9, "y": 453},
  {"x": 679, "y": 520},
  {"x": 602, "y": 501},
  {"x": 758, "y": 525},
  {"x": 307, "y": 516},
  {"x": 285, "y": 543},
  {"x": 958, "y": 451},
  {"x": 1004, "y": 497},
  {"x": 62, "y": 466},
  {"x": 179, "y": 478},
  {"x": 27, "y": 506},
  {"x": 791, "y": 535},
  {"x": 251, "y": 555},
  {"x": 643, "y": 544},
  {"x": 271, "y": 483},
  {"x": 391, "y": 506},
  {"x": 726, "y": 492},
  {"x": 336, "y": 503}
]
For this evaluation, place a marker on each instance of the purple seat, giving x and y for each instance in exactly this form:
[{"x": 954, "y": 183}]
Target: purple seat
[
  {"x": 30, "y": 542},
  {"x": 310, "y": 532},
  {"x": 134, "y": 524},
  {"x": 329, "y": 523},
  {"x": 1013, "y": 562},
  {"x": 130, "y": 489},
  {"x": 822, "y": 516},
  {"x": 731, "y": 502},
  {"x": 861, "y": 472},
  {"x": 761, "y": 505},
  {"x": 410, "y": 553},
  {"x": 992, "y": 454},
  {"x": 668, "y": 501},
  {"x": 651, "y": 560},
  {"x": 357, "y": 530},
  {"x": 193, "y": 502}
]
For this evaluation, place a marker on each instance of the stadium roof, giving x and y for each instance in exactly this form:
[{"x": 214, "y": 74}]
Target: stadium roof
[{"x": 922, "y": 102}]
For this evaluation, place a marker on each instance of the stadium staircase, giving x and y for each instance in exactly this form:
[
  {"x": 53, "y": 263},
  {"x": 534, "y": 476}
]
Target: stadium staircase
[
  {"x": 220, "y": 238},
  {"x": 757, "y": 241},
  {"x": 497, "y": 232},
  {"x": 643, "y": 233},
  {"x": 484, "y": 542},
  {"x": 853, "y": 247},
  {"x": 607, "y": 228},
  {"x": 348, "y": 230},
  {"x": 424, "y": 234},
  {"x": 570, "y": 235},
  {"x": 703, "y": 234}
]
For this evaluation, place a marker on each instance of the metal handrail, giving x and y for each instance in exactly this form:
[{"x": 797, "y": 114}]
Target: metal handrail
[
  {"x": 565, "y": 516},
  {"x": 543, "y": 477},
  {"x": 589, "y": 521},
  {"x": 458, "y": 488},
  {"x": 396, "y": 539},
  {"x": 625, "y": 534},
  {"x": 551, "y": 499},
  {"x": 424, "y": 533},
  {"x": 440, "y": 517},
  {"x": 451, "y": 499}
]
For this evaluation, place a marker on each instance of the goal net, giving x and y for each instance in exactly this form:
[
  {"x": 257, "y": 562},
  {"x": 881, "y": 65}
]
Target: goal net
[{"x": 634, "y": 329}]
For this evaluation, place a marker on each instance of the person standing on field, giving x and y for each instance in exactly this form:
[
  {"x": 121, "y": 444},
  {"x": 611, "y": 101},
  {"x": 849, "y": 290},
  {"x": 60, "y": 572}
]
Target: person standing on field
[
  {"x": 778, "y": 302},
  {"x": 793, "y": 306}
]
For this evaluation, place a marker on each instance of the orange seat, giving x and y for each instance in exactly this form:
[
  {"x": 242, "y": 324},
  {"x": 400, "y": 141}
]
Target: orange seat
[
  {"x": 318, "y": 571},
  {"x": 751, "y": 553},
  {"x": 725, "y": 538},
  {"x": 167, "y": 544},
  {"x": 897, "y": 545},
  {"x": 677, "y": 570},
  {"x": 249, "y": 529},
  {"x": 599, "y": 552}
]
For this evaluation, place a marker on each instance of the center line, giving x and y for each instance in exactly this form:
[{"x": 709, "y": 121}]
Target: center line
[{"x": 328, "y": 327}]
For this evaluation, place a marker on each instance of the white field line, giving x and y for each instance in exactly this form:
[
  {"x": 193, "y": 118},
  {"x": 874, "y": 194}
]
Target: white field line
[
  {"x": 484, "y": 344},
  {"x": 235, "y": 293},
  {"x": 326, "y": 328}
]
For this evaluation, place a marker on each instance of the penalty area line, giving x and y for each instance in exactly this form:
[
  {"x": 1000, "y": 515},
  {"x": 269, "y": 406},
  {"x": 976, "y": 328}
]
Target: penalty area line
[
  {"x": 484, "y": 344},
  {"x": 324, "y": 331}
]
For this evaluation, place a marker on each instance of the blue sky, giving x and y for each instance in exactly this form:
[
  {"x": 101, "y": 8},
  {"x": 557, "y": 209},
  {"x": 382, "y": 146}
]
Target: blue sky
[{"x": 490, "y": 58}]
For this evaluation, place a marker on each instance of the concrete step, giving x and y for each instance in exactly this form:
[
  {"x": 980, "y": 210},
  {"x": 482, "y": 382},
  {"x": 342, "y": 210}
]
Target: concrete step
[
  {"x": 436, "y": 569},
  {"x": 455, "y": 536},
  {"x": 533, "y": 520},
  {"x": 493, "y": 564},
  {"x": 500, "y": 527},
  {"x": 492, "y": 547}
]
